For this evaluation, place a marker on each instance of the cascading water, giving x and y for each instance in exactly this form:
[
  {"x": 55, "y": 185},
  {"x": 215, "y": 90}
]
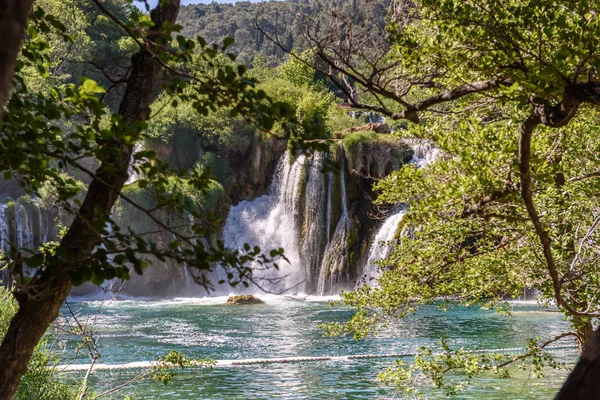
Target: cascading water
[
  {"x": 317, "y": 209},
  {"x": 329, "y": 211},
  {"x": 270, "y": 222},
  {"x": 381, "y": 247},
  {"x": 297, "y": 216},
  {"x": 23, "y": 229},
  {"x": 424, "y": 153},
  {"x": 131, "y": 171},
  {"x": 24, "y": 224},
  {"x": 336, "y": 258},
  {"x": 4, "y": 229}
]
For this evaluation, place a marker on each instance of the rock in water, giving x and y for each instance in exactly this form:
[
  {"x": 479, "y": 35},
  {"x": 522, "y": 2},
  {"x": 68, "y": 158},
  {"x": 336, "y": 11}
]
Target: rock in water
[{"x": 240, "y": 299}]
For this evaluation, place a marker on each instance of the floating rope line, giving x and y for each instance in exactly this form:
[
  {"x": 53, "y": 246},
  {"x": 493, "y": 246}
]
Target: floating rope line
[{"x": 290, "y": 360}]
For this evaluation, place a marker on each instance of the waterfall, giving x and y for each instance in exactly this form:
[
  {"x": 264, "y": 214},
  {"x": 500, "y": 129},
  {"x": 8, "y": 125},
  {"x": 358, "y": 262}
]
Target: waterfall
[
  {"x": 375, "y": 118},
  {"x": 313, "y": 238},
  {"x": 424, "y": 153},
  {"x": 133, "y": 174},
  {"x": 307, "y": 214},
  {"x": 336, "y": 260},
  {"x": 329, "y": 211},
  {"x": 23, "y": 225},
  {"x": 4, "y": 229},
  {"x": 297, "y": 216},
  {"x": 271, "y": 222},
  {"x": 382, "y": 244},
  {"x": 23, "y": 228}
]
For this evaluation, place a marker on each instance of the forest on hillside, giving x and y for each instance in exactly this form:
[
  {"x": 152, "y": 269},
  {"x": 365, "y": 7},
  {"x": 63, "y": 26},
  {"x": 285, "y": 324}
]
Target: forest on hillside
[{"x": 244, "y": 21}]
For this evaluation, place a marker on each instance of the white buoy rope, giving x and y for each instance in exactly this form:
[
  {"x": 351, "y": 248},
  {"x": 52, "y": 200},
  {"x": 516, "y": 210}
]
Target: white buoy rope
[{"x": 286, "y": 360}]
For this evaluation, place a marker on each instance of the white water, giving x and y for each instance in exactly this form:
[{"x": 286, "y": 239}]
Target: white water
[
  {"x": 314, "y": 238},
  {"x": 134, "y": 175},
  {"x": 22, "y": 232},
  {"x": 383, "y": 243},
  {"x": 424, "y": 153},
  {"x": 269, "y": 222},
  {"x": 297, "y": 216}
]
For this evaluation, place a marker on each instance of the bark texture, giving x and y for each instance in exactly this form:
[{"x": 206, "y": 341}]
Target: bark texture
[
  {"x": 13, "y": 21},
  {"x": 39, "y": 308}
]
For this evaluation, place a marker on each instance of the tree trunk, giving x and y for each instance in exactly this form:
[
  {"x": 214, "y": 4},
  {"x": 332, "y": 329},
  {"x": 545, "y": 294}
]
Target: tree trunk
[
  {"x": 585, "y": 330},
  {"x": 38, "y": 310},
  {"x": 584, "y": 381},
  {"x": 13, "y": 21}
]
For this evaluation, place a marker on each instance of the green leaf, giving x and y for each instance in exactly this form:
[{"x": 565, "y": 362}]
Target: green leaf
[{"x": 91, "y": 87}]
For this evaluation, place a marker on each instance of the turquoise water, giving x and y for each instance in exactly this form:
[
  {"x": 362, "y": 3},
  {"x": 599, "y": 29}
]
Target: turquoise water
[{"x": 143, "y": 330}]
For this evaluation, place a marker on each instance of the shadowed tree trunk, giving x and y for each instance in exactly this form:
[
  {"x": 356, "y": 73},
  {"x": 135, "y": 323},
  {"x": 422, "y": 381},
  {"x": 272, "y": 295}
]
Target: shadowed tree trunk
[
  {"x": 584, "y": 381},
  {"x": 39, "y": 305},
  {"x": 13, "y": 20}
]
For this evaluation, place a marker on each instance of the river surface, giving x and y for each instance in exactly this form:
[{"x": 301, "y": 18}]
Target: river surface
[{"x": 142, "y": 330}]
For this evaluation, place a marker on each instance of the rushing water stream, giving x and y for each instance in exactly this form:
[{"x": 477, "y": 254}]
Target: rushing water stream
[{"x": 143, "y": 330}]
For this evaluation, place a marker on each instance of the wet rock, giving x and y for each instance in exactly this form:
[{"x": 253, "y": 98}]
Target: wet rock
[{"x": 243, "y": 299}]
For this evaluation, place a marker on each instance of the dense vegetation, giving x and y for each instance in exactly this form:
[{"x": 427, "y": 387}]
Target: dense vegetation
[
  {"x": 92, "y": 80},
  {"x": 508, "y": 91},
  {"x": 214, "y": 22}
]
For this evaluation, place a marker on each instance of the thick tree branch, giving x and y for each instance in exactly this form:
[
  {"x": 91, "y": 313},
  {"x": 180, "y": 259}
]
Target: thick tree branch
[
  {"x": 555, "y": 116},
  {"x": 36, "y": 314},
  {"x": 13, "y": 20},
  {"x": 461, "y": 91}
]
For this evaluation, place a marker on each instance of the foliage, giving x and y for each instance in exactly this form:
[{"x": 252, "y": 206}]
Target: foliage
[
  {"x": 50, "y": 196},
  {"x": 353, "y": 139},
  {"x": 41, "y": 380},
  {"x": 215, "y": 131},
  {"x": 508, "y": 92},
  {"x": 206, "y": 20},
  {"x": 452, "y": 370},
  {"x": 163, "y": 370},
  {"x": 219, "y": 167},
  {"x": 310, "y": 99}
]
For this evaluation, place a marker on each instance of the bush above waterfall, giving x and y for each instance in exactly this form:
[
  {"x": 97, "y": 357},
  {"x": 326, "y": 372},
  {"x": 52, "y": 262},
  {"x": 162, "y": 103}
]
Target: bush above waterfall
[
  {"x": 187, "y": 132},
  {"x": 310, "y": 102}
]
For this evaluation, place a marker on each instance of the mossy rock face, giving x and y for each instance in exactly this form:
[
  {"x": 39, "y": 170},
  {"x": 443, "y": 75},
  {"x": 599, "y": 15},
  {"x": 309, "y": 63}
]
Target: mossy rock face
[
  {"x": 373, "y": 156},
  {"x": 243, "y": 299},
  {"x": 253, "y": 170},
  {"x": 10, "y": 188}
]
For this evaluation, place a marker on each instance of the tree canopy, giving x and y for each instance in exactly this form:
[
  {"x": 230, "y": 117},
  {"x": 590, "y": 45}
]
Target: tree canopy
[{"x": 509, "y": 92}]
